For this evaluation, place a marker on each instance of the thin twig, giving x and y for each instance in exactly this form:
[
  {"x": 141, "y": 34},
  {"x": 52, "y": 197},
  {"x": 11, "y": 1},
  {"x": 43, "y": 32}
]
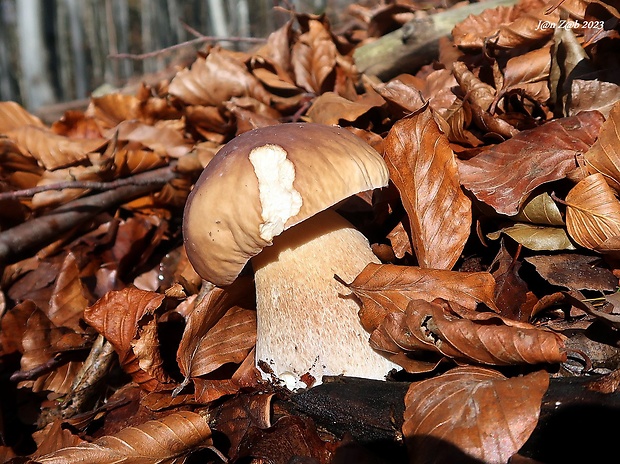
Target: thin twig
[
  {"x": 190, "y": 29},
  {"x": 196, "y": 41},
  {"x": 77, "y": 184},
  {"x": 37, "y": 371}
]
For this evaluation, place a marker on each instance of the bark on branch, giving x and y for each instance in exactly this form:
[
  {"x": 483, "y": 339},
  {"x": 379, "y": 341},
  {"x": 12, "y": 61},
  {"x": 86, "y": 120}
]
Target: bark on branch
[{"x": 416, "y": 43}]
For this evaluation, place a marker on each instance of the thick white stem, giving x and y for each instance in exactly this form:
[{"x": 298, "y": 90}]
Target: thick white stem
[{"x": 307, "y": 321}]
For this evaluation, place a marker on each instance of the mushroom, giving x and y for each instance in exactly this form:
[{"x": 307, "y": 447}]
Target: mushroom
[{"x": 266, "y": 197}]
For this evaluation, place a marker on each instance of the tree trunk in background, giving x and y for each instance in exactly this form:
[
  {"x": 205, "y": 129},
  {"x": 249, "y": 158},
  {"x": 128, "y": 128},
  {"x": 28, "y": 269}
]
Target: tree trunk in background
[
  {"x": 59, "y": 50},
  {"x": 35, "y": 82}
]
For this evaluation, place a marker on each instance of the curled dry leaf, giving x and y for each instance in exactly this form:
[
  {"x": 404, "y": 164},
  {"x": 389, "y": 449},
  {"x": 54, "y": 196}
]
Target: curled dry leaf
[
  {"x": 216, "y": 79},
  {"x": 13, "y": 116},
  {"x": 604, "y": 155},
  {"x": 467, "y": 336},
  {"x": 506, "y": 174},
  {"x": 477, "y": 91},
  {"x": 382, "y": 288},
  {"x": 471, "y": 412},
  {"x": 330, "y": 108},
  {"x": 542, "y": 210},
  {"x": 158, "y": 441},
  {"x": 228, "y": 341},
  {"x": 423, "y": 168},
  {"x": 126, "y": 319},
  {"x": 51, "y": 150},
  {"x": 592, "y": 212},
  {"x": 474, "y": 30},
  {"x": 401, "y": 94},
  {"x": 314, "y": 58},
  {"x": 539, "y": 238}
]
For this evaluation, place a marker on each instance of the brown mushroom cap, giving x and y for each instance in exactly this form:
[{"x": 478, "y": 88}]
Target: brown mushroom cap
[{"x": 265, "y": 181}]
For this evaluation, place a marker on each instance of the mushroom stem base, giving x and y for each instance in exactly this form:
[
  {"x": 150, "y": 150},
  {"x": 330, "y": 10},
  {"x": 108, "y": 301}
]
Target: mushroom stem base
[{"x": 307, "y": 322}]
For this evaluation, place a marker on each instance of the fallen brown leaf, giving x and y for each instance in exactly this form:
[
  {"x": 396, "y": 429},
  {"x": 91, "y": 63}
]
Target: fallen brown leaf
[
  {"x": 592, "y": 212},
  {"x": 505, "y": 175},
  {"x": 422, "y": 166},
  {"x": 158, "y": 441},
  {"x": 604, "y": 155},
  {"x": 386, "y": 287},
  {"x": 470, "y": 413}
]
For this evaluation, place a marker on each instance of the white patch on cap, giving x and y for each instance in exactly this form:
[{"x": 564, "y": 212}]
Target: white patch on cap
[{"x": 279, "y": 199}]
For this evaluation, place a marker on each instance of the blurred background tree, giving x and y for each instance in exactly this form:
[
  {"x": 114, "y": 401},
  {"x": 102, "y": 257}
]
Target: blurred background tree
[{"x": 57, "y": 51}]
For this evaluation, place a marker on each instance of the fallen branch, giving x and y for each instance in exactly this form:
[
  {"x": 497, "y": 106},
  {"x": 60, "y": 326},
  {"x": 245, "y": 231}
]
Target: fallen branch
[
  {"x": 416, "y": 43},
  {"x": 40, "y": 231},
  {"x": 371, "y": 411},
  {"x": 77, "y": 184}
]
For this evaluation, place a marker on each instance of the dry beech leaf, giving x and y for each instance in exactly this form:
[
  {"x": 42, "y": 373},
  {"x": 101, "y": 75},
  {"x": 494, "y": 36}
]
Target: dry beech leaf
[
  {"x": 314, "y": 58},
  {"x": 386, "y": 287},
  {"x": 423, "y": 168},
  {"x": 200, "y": 330},
  {"x": 471, "y": 413},
  {"x": 236, "y": 417},
  {"x": 56, "y": 197},
  {"x": 506, "y": 174},
  {"x": 586, "y": 95},
  {"x": 604, "y": 155},
  {"x": 592, "y": 212},
  {"x": 529, "y": 72},
  {"x": 285, "y": 441},
  {"x": 112, "y": 109},
  {"x": 216, "y": 79},
  {"x": 574, "y": 271},
  {"x": 477, "y": 91},
  {"x": 228, "y": 341},
  {"x": 13, "y": 325},
  {"x": 524, "y": 30},
  {"x": 466, "y": 336},
  {"x": 401, "y": 95},
  {"x": 474, "y": 30},
  {"x": 68, "y": 300},
  {"x": 54, "y": 437},
  {"x": 542, "y": 210},
  {"x": 165, "y": 137},
  {"x": 330, "y": 108},
  {"x": 158, "y": 441},
  {"x": 13, "y": 116},
  {"x": 538, "y": 238},
  {"x": 51, "y": 150},
  {"x": 122, "y": 317},
  {"x": 41, "y": 342}
]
